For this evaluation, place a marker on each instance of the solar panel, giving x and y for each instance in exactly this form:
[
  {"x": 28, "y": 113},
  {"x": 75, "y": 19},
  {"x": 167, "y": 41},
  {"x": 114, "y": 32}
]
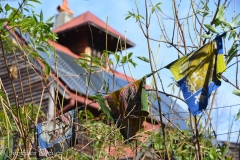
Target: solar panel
[{"x": 73, "y": 82}]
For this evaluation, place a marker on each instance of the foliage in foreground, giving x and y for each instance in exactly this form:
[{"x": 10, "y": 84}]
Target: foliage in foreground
[{"x": 102, "y": 134}]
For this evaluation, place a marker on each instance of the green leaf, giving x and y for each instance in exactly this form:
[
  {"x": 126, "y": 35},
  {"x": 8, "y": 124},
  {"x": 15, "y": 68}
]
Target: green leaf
[
  {"x": 143, "y": 59},
  {"x": 211, "y": 28},
  {"x": 117, "y": 57},
  {"x": 235, "y": 20},
  {"x": 224, "y": 149},
  {"x": 90, "y": 115},
  {"x": 170, "y": 84},
  {"x": 51, "y": 48},
  {"x": 7, "y": 7},
  {"x": 2, "y": 94},
  {"x": 232, "y": 52},
  {"x": 238, "y": 115},
  {"x": 236, "y": 92},
  {"x": 204, "y": 12},
  {"x": 83, "y": 64},
  {"x": 41, "y": 16},
  {"x": 153, "y": 9},
  {"x": 133, "y": 63},
  {"x": 101, "y": 101},
  {"x": 124, "y": 59},
  {"x": 104, "y": 84},
  {"x": 50, "y": 19},
  {"x": 206, "y": 36},
  {"x": 47, "y": 69},
  {"x": 217, "y": 22},
  {"x": 30, "y": 5},
  {"x": 26, "y": 9},
  {"x": 226, "y": 24},
  {"x": 1, "y": 10},
  {"x": 34, "y": 55},
  {"x": 35, "y": 18},
  {"x": 232, "y": 34},
  {"x": 32, "y": 42},
  {"x": 107, "y": 87},
  {"x": 158, "y": 3},
  {"x": 130, "y": 55},
  {"x": 85, "y": 55},
  {"x": 204, "y": 5},
  {"x": 157, "y": 6},
  {"x": 220, "y": 14},
  {"x": 140, "y": 16},
  {"x": 2, "y": 21},
  {"x": 36, "y": 1},
  {"x": 41, "y": 49},
  {"x": 50, "y": 24},
  {"x": 127, "y": 17}
]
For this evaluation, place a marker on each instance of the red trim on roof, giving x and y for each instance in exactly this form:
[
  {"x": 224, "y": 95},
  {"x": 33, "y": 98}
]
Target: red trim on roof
[
  {"x": 123, "y": 76},
  {"x": 15, "y": 34},
  {"x": 74, "y": 96},
  {"x": 70, "y": 53},
  {"x": 127, "y": 78},
  {"x": 86, "y": 18},
  {"x": 63, "y": 49}
]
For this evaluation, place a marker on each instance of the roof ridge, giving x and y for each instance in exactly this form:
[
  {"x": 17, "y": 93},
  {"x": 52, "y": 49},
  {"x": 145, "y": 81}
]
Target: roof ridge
[
  {"x": 88, "y": 16},
  {"x": 69, "y": 21},
  {"x": 63, "y": 48}
]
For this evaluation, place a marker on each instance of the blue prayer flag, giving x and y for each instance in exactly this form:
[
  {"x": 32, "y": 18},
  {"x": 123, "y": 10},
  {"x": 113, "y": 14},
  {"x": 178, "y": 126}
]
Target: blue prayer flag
[
  {"x": 55, "y": 136},
  {"x": 198, "y": 74}
]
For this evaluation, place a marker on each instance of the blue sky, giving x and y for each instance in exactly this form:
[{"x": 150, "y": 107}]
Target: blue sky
[{"x": 116, "y": 12}]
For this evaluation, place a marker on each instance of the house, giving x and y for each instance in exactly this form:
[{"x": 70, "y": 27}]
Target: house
[{"x": 66, "y": 84}]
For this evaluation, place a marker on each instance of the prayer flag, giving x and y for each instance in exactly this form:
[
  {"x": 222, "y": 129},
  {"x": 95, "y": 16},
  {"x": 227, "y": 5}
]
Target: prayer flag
[
  {"x": 198, "y": 74},
  {"x": 128, "y": 106},
  {"x": 55, "y": 138}
]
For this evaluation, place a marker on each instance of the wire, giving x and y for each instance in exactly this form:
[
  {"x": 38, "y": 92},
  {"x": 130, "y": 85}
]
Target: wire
[
  {"x": 228, "y": 133},
  {"x": 208, "y": 109},
  {"x": 169, "y": 113}
]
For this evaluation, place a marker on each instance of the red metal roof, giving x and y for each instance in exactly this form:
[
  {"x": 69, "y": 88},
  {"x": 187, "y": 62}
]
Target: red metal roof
[
  {"x": 63, "y": 49},
  {"x": 123, "y": 76},
  {"x": 86, "y": 18},
  {"x": 70, "y": 53}
]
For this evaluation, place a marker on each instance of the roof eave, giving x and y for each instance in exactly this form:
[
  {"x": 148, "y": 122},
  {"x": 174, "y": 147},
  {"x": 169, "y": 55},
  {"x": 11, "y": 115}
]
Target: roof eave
[{"x": 130, "y": 43}]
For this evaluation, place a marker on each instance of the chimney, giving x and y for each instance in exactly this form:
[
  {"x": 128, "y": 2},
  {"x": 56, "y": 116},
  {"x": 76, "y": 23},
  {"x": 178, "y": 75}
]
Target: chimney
[{"x": 65, "y": 14}]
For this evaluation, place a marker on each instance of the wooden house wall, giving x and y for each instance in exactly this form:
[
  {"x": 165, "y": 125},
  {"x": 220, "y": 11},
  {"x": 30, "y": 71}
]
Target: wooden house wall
[
  {"x": 28, "y": 84},
  {"x": 235, "y": 149}
]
